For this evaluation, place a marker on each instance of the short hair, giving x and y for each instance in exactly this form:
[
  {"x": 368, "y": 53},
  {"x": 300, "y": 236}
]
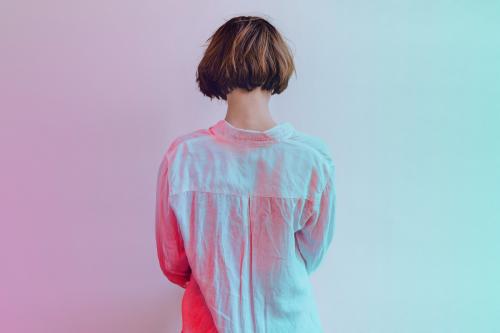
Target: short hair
[{"x": 245, "y": 52}]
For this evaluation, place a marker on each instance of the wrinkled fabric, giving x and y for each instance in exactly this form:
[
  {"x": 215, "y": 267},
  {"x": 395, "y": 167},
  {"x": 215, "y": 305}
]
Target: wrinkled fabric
[{"x": 243, "y": 218}]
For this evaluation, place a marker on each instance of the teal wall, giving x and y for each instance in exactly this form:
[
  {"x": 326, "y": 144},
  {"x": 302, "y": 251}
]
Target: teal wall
[{"x": 408, "y": 94}]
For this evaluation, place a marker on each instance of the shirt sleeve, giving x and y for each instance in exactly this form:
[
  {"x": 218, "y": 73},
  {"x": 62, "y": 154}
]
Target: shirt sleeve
[
  {"x": 315, "y": 237},
  {"x": 169, "y": 243}
]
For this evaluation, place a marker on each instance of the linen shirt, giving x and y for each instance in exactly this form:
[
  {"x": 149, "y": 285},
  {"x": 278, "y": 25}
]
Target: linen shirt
[{"x": 243, "y": 217}]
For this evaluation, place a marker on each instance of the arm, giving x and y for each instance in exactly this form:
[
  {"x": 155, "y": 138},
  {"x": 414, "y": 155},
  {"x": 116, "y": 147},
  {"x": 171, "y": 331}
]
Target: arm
[
  {"x": 169, "y": 243},
  {"x": 315, "y": 237}
]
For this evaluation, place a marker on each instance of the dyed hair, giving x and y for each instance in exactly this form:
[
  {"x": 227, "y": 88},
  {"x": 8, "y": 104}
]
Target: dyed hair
[{"x": 245, "y": 52}]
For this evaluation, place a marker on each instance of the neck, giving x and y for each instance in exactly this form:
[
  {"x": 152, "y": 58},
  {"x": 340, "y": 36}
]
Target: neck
[{"x": 249, "y": 110}]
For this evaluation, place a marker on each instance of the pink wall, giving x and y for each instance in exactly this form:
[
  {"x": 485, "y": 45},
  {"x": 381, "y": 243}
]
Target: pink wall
[{"x": 88, "y": 93}]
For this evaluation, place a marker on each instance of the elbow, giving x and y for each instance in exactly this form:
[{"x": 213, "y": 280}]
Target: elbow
[{"x": 179, "y": 279}]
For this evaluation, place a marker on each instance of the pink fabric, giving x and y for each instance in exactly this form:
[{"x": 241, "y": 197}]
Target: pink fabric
[{"x": 243, "y": 218}]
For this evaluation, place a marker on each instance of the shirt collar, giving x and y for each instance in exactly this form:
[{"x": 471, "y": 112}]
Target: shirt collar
[{"x": 279, "y": 132}]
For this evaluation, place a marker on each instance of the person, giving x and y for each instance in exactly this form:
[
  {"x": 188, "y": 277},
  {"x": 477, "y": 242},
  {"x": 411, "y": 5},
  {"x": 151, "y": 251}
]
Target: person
[{"x": 246, "y": 207}]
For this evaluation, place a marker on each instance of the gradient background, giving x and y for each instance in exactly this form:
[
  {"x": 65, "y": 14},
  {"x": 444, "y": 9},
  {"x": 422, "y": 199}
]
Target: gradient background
[{"x": 406, "y": 93}]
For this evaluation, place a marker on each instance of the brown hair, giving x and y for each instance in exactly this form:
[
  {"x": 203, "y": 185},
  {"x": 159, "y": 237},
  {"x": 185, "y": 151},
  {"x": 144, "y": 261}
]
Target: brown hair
[{"x": 245, "y": 52}]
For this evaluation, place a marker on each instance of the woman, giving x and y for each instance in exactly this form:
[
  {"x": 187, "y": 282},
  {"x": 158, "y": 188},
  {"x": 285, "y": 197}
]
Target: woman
[{"x": 245, "y": 208}]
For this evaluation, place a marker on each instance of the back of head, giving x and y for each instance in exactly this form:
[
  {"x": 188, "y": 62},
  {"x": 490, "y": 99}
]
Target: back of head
[{"x": 245, "y": 52}]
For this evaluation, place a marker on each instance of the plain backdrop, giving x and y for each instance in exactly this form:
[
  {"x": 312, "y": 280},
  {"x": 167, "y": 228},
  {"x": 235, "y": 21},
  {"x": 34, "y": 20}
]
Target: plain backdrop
[{"x": 405, "y": 93}]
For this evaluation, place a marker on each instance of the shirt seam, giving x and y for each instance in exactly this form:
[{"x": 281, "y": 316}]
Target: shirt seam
[{"x": 242, "y": 194}]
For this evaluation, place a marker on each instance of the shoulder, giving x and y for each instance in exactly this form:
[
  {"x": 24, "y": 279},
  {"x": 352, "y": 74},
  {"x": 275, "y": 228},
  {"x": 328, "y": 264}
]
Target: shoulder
[
  {"x": 321, "y": 154},
  {"x": 180, "y": 142},
  {"x": 315, "y": 145},
  {"x": 185, "y": 139}
]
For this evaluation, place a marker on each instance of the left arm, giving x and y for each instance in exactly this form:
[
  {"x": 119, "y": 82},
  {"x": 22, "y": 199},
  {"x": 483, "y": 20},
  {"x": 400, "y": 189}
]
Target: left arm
[{"x": 169, "y": 243}]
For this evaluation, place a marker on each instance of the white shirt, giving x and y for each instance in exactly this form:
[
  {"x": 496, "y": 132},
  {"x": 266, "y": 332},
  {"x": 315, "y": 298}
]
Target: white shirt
[{"x": 243, "y": 218}]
